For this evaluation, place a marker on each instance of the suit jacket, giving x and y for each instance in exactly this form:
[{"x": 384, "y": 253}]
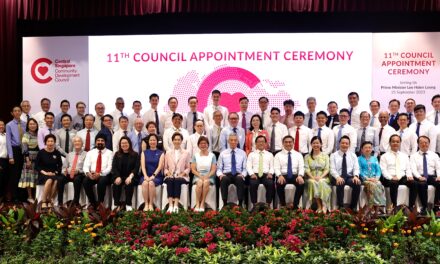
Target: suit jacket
[
  {"x": 335, "y": 121},
  {"x": 250, "y": 138},
  {"x": 108, "y": 138},
  {"x": 393, "y": 123},
  {"x": 133, "y": 166},
  {"x": 182, "y": 164}
]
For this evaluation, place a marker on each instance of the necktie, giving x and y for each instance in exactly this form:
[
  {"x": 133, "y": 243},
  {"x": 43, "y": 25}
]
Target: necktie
[
  {"x": 363, "y": 135},
  {"x": 286, "y": 121},
  {"x": 243, "y": 121},
  {"x": 122, "y": 114},
  {"x": 125, "y": 133},
  {"x": 27, "y": 117},
  {"x": 319, "y": 132},
  {"x": 262, "y": 119},
  {"x": 233, "y": 164},
  {"x": 410, "y": 118},
  {"x": 260, "y": 164},
  {"x": 397, "y": 164},
  {"x": 344, "y": 172},
  {"x": 272, "y": 139},
  {"x": 310, "y": 124},
  {"x": 156, "y": 116},
  {"x": 401, "y": 133},
  {"x": 289, "y": 166},
  {"x": 75, "y": 161},
  {"x": 372, "y": 120},
  {"x": 66, "y": 146},
  {"x": 87, "y": 147},
  {"x": 194, "y": 121},
  {"x": 391, "y": 121},
  {"x": 20, "y": 130},
  {"x": 330, "y": 125},
  {"x": 339, "y": 136},
  {"x": 349, "y": 120},
  {"x": 50, "y": 131},
  {"x": 418, "y": 129},
  {"x": 380, "y": 134},
  {"x": 217, "y": 142},
  {"x": 436, "y": 118},
  {"x": 235, "y": 131},
  {"x": 139, "y": 143},
  {"x": 98, "y": 163},
  {"x": 296, "y": 146},
  {"x": 425, "y": 166}
]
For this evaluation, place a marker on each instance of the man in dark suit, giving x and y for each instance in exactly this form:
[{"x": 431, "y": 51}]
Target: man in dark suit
[
  {"x": 333, "y": 117},
  {"x": 393, "y": 107},
  {"x": 107, "y": 131}
]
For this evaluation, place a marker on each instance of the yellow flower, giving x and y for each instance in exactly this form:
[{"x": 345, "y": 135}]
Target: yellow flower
[
  {"x": 383, "y": 230},
  {"x": 403, "y": 232},
  {"x": 363, "y": 236},
  {"x": 79, "y": 222},
  {"x": 93, "y": 234},
  {"x": 90, "y": 229},
  {"x": 430, "y": 233},
  {"x": 86, "y": 230},
  {"x": 72, "y": 222},
  {"x": 70, "y": 241},
  {"x": 352, "y": 225},
  {"x": 97, "y": 225},
  {"x": 395, "y": 244},
  {"x": 408, "y": 231},
  {"x": 88, "y": 225},
  {"x": 69, "y": 226},
  {"x": 365, "y": 229}
]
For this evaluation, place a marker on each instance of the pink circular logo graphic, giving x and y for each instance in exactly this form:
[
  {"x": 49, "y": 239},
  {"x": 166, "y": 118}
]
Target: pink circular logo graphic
[{"x": 41, "y": 66}]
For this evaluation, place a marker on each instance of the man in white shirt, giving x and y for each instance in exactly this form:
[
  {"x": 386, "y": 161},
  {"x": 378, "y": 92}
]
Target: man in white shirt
[
  {"x": 354, "y": 111},
  {"x": 193, "y": 139},
  {"x": 425, "y": 166},
  {"x": 344, "y": 129},
  {"x": 259, "y": 166},
  {"x": 176, "y": 127},
  {"x": 289, "y": 169},
  {"x": 277, "y": 131},
  {"x": 310, "y": 117},
  {"x": 26, "y": 110},
  {"x": 301, "y": 134},
  {"x": 384, "y": 133},
  {"x": 89, "y": 132},
  {"x": 100, "y": 112},
  {"x": 45, "y": 107},
  {"x": 214, "y": 133},
  {"x": 409, "y": 137},
  {"x": 244, "y": 116},
  {"x": 393, "y": 107},
  {"x": 209, "y": 110},
  {"x": 97, "y": 168},
  {"x": 422, "y": 126},
  {"x": 367, "y": 133},
  {"x": 46, "y": 130},
  {"x": 192, "y": 115},
  {"x": 122, "y": 132},
  {"x": 264, "y": 112},
  {"x": 64, "y": 106},
  {"x": 232, "y": 128},
  {"x": 120, "y": 104},
  {"x": 374, "y": 109},
  {"x": 434, "y": 115},
  {"x": 333, "y": 117},
  {"x": 137, "y": 134},
  {"x": 396, "y": 170},
  {"x": 326, "y": 134},
  {"x": 344, "y": 169},
  {"x": 65, "y": 135},
  {"x": 137, "y": 107},
  {"x": 166, "y": 117},
  {"x": 287, "y": 119},
  {"x": 409, "y": 106},
  {"x": 153, "y": 115}
]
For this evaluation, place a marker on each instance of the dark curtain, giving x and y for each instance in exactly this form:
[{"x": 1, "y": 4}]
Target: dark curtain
[{"x": 42, "y": 10}]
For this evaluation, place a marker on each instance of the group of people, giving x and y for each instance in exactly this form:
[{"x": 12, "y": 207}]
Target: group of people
[{"x": 313, "y": 151}]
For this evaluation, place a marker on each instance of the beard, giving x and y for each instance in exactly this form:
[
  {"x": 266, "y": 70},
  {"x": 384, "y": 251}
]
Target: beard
[{"x": 100, "y": 146}]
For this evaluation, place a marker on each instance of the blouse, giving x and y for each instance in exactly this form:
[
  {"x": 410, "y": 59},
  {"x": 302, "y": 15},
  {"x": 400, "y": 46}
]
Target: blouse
[
  {"x": 49, "y": 161},
  {"x": 316, "y": 165},
  {"x": 29, "y": 143},
  {"x": 204, "y": 163},
  {"x": 369, "y": 168}
]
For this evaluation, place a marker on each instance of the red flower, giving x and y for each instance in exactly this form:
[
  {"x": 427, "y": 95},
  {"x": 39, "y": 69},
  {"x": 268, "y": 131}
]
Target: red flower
[
  {"x": 183, "y": 250},
  {"x": 292, "y": 243},
  {"x": 149, "y": 242},
  {"x": 263, "y": 230},
  {"x": 212, "y": 247},
  {"x": 208, "y": 238}
]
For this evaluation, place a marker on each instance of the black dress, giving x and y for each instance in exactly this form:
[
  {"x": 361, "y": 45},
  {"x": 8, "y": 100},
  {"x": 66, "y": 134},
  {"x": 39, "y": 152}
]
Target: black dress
[{"x": 49, "y": 162}]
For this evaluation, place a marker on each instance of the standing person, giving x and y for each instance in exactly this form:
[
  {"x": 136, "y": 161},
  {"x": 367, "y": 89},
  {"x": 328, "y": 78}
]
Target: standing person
[
  {"x": 366, "y": 133},
  {"x": 215, "y": 106},
  {"x": 434, "y": 115},
  {"x": 153, "y": 114},
  {"x": 384, "y": 133},
  {"x": 244, "y": 116},
  {"x": 88, "y": 133},
  {"x": 26, "y": 110},
  {"x": 121, "y": 132},
  {"x": 255, "y": 130},
  {"x": 107, "y": 131},
  {"x": 333, "y": 117},
  {"x": 317, "y": 168},
  {"x": 289, "y": 169},
  {"x": 277, "y": 131},
  {"x": 354, "y": 110},
  {"x": 30, "y": 148},
  {"x": 137, "y": 108},
  {"x": 192, "y": 143},
  {"x": 3, "y": 161},
  {"x": 14, "y": 133},
  {"x": 192, "y": 116},
  {"x": 78, "y": 119},
  {"x": 48, "y": 163},
  {"x": 324, "y": 133},
  {"x": 344, "y": 167},
  {"x": 203, "y": 166},
  {"x": 422, "y": 126},
  {"x": 370, "y": 175},
  {"x": 264, "y": 112},
  {"x": 310, "y": 116},
  {"x": 301, "y": 134},
  {"x": 176, "y": 128},
  {"x": 410, "y": 103},
  {"x": 345, "y": 129},
  {"x": 40, "y": 116},
  {"x": 152, "y": 163},
  {"x": 393, "y": 107},
  {"x": 64, "y": 106},
  {"x": 260, "y": 167},
  {"x": 125, "y": 171},
  {"x": 46, "y": 129},
  {"x": 374, "y": 109},
  {"x": 100, "y": 112},
  {"x": 288, "y": 119},
  {"x": 64, "y": 135},
  {"x": 233, "y": 128},
  {"x": 73, "y": 171},
  {"x": 214, "y": 133},
  {"x": 137, "y": 135},
  {"x": 151, "y": 129},
  {"x": 409, "y": 137},
  {"x": 166, "y": 119},
  {"x": 176, "y": 171},
  {"x": 118, "y": 112}
]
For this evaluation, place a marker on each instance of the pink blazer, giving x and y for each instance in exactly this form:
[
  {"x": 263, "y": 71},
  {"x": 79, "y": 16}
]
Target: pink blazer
[{"x": 183, "y": 164}]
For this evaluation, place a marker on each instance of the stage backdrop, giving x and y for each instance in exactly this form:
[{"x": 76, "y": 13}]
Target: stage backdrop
[{"x": 279, "y": 66}]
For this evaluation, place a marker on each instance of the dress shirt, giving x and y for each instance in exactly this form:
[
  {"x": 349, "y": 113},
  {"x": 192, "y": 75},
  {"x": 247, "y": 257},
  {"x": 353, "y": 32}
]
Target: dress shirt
[
  {"x": 91, "y": 158},
  {"x": 332, "y": 121},
  {"x": 150, "y": 116},
  {"x": 166, "y": 120},
  {"x": 250, "y": 140},
  {"x": 83, "y": 135},
  {"x": 132, "y": 118},
  {"x": 224, "y": 162},
  {"x": 134, "y": 139},
  {"x": 42, "y": 133},
  {"x": 78, "y": 122},
  {"x": 409, "y": 141},
  {"x": 384, "y": 142},
  {"x": 40, "y": 118},
  {"x": 168, "y": 134},
  {"x": 388, "y": 165},
  {"x": 266, "y": 118},
  {"x": 369, "y": 168},
  {"x": 280, "y": 132},
  {"x": 336, "y": 164},
  {"x": 98, "y": 123},
  {"x": 117, "y": 136},
  {"x": 305, "y": 135},
  {"x": 307, "y": 117},
  {"x": 349, "y": 131},
  {"x": 434, "y": 137},
  {"x": 214, "y": 137},
  {"x": 25, "y": 117},
  {"x": 289, "y": 122},
  {"x": 371, "y": 135},
  {"x": 57, "y": 121},
  {"x": 61, "y": 140},
  {"x": 430, "y": 116},
  {"x": 281, "y": 160},
  {"x": 411, "y": 118},
  {"x": 375, "y": 120},
  {"x": 189, "y": 121},
  {"x": 3, "y": 147},
  {"x": 253, "y": 162},
  {"x": 425, "y": 128},
  {"x": 191, "y": 144},
  {"x": 355, "y": 117},
  {"x": 209, "y": 111},
  {"x": 13, "y": 135},
  {"x": 68, "y": 162},
  {"x": 116, "y": 115},
  {"x": 327, "y": 138},
  {"x": 225, "y": 134},
  {"x": 433, "y": 162},
  {"x": 248, "y": 119}
]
